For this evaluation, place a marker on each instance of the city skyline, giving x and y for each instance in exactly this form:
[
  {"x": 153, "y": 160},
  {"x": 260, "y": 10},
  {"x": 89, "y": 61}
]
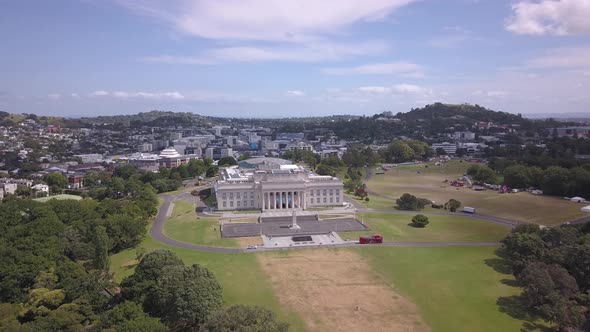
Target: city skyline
[{"x": 305, "y": 58}]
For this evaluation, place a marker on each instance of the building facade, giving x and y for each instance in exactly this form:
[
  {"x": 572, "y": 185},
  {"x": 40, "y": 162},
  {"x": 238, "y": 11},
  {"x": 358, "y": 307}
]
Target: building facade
[{"x": 275, "y": 184}]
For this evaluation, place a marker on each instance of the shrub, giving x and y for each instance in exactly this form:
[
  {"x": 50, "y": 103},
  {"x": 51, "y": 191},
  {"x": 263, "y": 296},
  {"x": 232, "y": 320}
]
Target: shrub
[{"x": 420, "y": 221}]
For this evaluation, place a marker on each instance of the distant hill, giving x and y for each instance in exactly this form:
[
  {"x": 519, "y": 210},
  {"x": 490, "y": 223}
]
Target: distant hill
[{"x": 438, "y": 111}]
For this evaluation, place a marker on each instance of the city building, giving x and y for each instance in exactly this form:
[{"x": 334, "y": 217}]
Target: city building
[
  {"x": 169, "y": 157},
  {"x": 449, "y": 148},
  {"x": 275, "y": 184},
  {"x": 464, "y": 136}
]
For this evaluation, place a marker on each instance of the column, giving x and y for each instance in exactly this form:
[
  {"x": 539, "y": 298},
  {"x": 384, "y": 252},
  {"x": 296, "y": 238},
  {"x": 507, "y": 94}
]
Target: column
[
  {"x": 299, "y": 199},
  {"x": 280, "y": 200},
  {"x": 304, "y": 200},
  {"x": 261, "y": 201},
  {"x": 290, "y": 197}
]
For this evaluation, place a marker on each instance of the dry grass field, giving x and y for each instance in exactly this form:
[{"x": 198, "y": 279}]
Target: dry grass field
[
  {"x": 524, "y": 207},
  {"x": 337, "y": 290}
]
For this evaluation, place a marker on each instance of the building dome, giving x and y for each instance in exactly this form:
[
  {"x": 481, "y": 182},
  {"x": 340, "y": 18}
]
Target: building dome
[{"x": 169, "y": 152}]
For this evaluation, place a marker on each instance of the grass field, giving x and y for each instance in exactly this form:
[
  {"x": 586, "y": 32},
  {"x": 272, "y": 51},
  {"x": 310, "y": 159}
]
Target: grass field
[
  {"x": 394, "y": 227},
  {"x": 183, "y": 225},
  {"x": 456, "y": 289},
  {"x": 429, "y": 184},
  {"x": 58, "y": 197}
]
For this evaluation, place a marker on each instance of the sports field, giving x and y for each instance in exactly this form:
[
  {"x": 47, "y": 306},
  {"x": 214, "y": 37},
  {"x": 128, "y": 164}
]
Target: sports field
[
  {"x": 428, "y": 182},
  {"x": 58, "y": 197}
]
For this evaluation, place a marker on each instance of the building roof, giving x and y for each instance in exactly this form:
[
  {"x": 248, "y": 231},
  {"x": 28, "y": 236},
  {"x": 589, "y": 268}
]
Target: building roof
[
  {"x": 169, "y": 152},
  {"x": 254, "y": 162}
]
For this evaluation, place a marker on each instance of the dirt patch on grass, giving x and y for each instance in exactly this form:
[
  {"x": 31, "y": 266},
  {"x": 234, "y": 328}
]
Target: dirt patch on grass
[{"x": 336, "y": 290}]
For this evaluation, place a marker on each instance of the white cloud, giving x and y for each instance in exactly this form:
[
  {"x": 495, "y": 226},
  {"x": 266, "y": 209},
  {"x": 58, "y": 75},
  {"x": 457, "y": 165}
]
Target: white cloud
[
  {"x": 74, "y": 95},
  {"x": 403, "y": 68},
  {"x": 311, "y": 52},
  {"x": 99, "y": 93},
  {"x": 268, "y": 20},
  {"x": 395, "y": 89},
  {"x": 54, "y": 96},
  {"x": 294, "y": 93},
  {"x": 550, "y": 17},
  {"x": 148, "y": 95},
  {"x": 570, "y": 57}
]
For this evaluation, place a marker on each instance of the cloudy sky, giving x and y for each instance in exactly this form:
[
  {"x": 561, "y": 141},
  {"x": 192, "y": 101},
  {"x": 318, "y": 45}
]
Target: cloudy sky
[{"x": 273, "y": 58}]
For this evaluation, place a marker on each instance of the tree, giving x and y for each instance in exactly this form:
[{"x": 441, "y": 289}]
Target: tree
[
  {"x": 481, "y": 173},
  {"x": 555, "y": 181},
  {"x": 440, "y": 152},
  {"x": 139, "y": 286},
  {"x": 411, "y": 202},
  {"x": 227, "y": 161},
  {"x": 420, "y": 221},
  {"x": 552, "y": 293},
  {"x": 101, "y": 245},
  {"x": 185, "y": 296},
  {"x": 324, "y": 169},
  {"x": 522, "y": 249},
  {"x": 453, "y": 204},
  {"x": 398, "y": 151},
  {"x": 517, "y": 176},
  {"x": 243, "y": 318},
  {"x": 128, "y": 316},
  {"x": 56, "y": 179},
  {"x": 125, "y": 231}
]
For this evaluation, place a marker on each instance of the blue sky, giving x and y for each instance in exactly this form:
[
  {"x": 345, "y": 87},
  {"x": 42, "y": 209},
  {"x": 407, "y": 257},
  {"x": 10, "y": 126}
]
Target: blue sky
[{"x": 276, "y": 58}]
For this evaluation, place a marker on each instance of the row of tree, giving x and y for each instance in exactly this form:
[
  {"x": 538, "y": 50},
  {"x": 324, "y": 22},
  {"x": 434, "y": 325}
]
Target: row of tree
[
  {"x": 552, "y": 266},
  {"x": 554, "y": 180}
]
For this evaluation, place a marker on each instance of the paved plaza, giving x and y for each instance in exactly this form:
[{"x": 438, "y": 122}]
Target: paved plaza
[{"x": 281, "y": 226}]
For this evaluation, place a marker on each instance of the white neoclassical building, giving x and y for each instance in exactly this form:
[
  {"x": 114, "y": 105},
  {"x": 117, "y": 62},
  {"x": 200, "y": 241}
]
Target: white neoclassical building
[{"x": 275, "y": 184}]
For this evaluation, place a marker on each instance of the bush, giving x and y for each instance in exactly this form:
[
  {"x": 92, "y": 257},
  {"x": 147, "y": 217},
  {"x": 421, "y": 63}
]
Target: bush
[
  {"x": 366, "y": 199},
  {"x": 420, "y": 221},
  {"x": 411, "y": 202}
]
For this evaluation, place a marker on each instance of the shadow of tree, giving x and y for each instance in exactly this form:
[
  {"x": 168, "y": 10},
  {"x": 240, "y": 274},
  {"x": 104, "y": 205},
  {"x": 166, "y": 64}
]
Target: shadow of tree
[
  {"x": 499, "y": 265},
  {"x": 531, "y": 326},
  {"x": 514, "y": 306},
  {"x": 510, "y": 282}
]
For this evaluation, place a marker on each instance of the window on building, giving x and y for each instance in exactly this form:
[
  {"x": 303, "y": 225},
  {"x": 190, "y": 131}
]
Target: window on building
[
  {"x": 238, "y": 195},
  {"x": 231, "y": 195},
  {"x": 331, "y": 200},
  {"x": 337, "y": 192},
  {"x": 337, "y": 199},
  {"x": 224, "y": 196},
  {"x": 318, "y": 192},
  {"x": 239, "y": 203},
  {"x": 224, "y": 204},
  {"x": 325, "y": 192},
  {"x": 331, "y": 192},
  {"x": 231, "y": 203},
  {"x": 251, "y": 203},
  {"x": 325, "y": 200}
]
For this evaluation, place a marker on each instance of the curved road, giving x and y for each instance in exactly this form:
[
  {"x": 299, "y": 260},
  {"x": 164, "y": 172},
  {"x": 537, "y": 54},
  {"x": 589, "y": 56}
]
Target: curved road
[{"x": 158, "y": 235}]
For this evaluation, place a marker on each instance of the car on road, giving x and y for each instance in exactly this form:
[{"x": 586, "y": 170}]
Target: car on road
[{"x": 252, "y": 247}]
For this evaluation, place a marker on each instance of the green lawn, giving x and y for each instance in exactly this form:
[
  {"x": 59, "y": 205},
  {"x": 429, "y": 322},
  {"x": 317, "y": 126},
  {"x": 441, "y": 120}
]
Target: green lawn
[
  {"x": 58, "y": 197},
  {"x": 456, "y": 288},
  {"x": 185, "y": 226},
  {"x": 524, "y": 207},
  {"x": 394, "y": 227}
]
